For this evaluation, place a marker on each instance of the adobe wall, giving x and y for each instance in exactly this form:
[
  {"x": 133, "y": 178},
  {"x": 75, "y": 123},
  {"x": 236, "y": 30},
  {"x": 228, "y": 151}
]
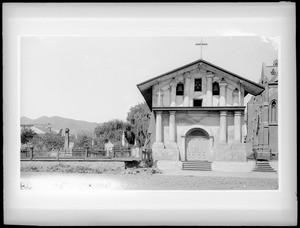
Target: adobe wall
[{"x": 210, "y": 122}]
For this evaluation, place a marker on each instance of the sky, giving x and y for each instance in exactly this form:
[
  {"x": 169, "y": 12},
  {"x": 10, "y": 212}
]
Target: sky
[{"x": 94, "y": 78}]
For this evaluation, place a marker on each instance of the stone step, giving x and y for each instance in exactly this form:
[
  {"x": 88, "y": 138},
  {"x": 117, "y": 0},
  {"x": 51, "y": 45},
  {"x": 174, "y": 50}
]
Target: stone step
[
  {"x": 197, "y": 165},
  {"x": 184, "y": 165},
  {"x": 262, "y": 169},
  {"x": 198, "y": 162},
  {"x": 263, "y": 166},
  {"x": 271, "y": 171},
  {"x": 201, "y": 163},
  {"x": 197, "y": 169}
]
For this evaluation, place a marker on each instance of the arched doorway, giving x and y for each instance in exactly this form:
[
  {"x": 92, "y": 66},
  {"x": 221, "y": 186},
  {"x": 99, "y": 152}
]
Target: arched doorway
[{"x": 197, "y": 145}]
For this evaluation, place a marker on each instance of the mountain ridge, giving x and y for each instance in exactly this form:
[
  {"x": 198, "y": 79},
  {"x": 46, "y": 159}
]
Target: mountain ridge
[{"x": 57, "y": 122}]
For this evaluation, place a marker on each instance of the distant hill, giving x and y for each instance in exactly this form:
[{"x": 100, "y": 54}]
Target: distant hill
[{"x": 57, "y": 123}]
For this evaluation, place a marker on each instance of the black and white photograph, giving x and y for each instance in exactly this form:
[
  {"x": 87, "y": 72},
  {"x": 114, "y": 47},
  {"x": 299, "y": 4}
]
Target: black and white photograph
[
  {"x": 127, "y": 109},
  {"x": 89, "y": 110}
]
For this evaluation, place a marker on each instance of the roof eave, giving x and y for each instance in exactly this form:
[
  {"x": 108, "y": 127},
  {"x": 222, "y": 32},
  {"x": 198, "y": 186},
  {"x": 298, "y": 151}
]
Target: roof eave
[{"x": 256, "y": 91}]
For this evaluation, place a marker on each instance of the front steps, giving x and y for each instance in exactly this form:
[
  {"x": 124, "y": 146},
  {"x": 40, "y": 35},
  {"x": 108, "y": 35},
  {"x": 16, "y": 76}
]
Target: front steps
[
  {"x": 263, "y": 166},
  {"x": 196, "y": 165}
]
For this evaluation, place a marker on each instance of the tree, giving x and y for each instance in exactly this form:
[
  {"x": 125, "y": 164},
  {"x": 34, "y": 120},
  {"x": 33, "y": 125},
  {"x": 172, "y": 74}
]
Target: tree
[
  {"x": 27, "y": 135},
  {"x": 83, "y": 141},
  {"x": 49, "y": 141},
  {"x": 37, "y": 142},
  {"x": 138, "y": 118},
  {"x": 112, "y": 131},
  {"x": 129, "y": 134},
  {"x": 135, "y": 128}
]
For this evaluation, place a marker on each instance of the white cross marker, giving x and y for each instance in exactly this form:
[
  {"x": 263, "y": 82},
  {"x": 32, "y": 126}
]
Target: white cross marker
[{"x": 201, "y": 44}]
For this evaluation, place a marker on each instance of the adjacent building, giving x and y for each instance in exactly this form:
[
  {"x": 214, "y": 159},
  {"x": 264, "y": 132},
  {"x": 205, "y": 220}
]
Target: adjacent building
[
  {"x": 262, "y": 115},
  {"x": 40, "y": 128}
]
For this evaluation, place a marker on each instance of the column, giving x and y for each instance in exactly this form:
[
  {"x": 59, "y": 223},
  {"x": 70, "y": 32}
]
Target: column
[
  {"x": 223, "y": 127},
  {"x": 31, "y": 152},
  {"x": 173, "y": 85},
  {"x": 159, "y": 98},
  {"x": 222, "y": 85},
  {"x": 237, "y": 126},
  {"x": 158, "y": 126},
  {"x": 260, "y": 130},
  {"x": 172, "y": 129},
  {"x": 209, "y": 96},
  {"x": 239, "y": 93},
  {"x": 186, "y": 101},
  {"x": 266, "y": 124},
  {"x": 242, "y": 96},
  {"x": 235, "y": 98}
]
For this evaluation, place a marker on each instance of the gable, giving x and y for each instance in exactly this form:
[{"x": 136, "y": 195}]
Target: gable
[
  {"x": 199, "y": 65},
  {"x": 270, "y": 72}
]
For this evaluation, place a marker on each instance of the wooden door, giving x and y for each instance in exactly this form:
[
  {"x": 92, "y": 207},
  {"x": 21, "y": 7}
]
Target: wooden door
[{"x": 197, "y": 148}]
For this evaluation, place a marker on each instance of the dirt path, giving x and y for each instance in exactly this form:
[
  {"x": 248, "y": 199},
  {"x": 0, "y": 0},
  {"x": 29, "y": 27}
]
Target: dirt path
[{"x": 141, "y": 181}]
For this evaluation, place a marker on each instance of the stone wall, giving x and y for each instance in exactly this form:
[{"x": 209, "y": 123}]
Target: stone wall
[
  {"x": 235, "y": 152},
  {"x": 273, "y": 138}
]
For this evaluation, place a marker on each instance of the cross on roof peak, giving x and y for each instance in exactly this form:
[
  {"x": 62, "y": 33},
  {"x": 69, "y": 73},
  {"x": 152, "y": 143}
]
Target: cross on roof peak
[{"x": 201, "y": 44}]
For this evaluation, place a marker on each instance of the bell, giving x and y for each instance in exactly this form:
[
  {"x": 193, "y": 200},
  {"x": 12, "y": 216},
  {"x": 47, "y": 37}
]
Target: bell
[
  {"x": 180, "y": 88},
  {"x": 216, "y": 88}
]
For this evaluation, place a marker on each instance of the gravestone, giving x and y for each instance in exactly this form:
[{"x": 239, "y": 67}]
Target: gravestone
[
  {"x": 67, "y": 138},
  {"x": 71, "y": 145},
  {"x": 124, "y": 140},
  {"x": 48, "y": 128},
  {"x": 67, "y": 151},
  {"x": 108, "y": 148},
  {"x": 93, "y": 143},
  {"x": 61, "y": 132}
]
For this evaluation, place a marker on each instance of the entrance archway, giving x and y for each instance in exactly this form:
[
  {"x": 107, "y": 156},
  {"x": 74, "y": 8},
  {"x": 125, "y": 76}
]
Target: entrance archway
[{"x": 197, "y": 145}]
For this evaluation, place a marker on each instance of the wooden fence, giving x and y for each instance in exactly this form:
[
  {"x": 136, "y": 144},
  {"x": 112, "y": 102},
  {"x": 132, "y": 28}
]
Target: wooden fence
[{"x": 76, "y": 154}]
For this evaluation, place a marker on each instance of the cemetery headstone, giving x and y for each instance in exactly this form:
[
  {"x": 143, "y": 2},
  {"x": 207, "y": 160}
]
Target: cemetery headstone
[{"x": 108, "y": 148}]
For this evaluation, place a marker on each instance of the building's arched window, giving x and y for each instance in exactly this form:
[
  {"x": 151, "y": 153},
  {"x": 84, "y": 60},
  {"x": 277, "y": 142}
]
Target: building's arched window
[
  {"x": 179, "y": 89},
  {"x": 274, "y": 111},
  {"x": 215, "y": 88}
]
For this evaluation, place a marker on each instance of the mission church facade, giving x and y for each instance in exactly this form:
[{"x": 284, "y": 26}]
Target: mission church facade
[{"x": 198, "y": 113}]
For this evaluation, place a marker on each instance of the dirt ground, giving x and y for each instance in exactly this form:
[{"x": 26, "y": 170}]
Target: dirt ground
[{"x": 93, "y": 176}]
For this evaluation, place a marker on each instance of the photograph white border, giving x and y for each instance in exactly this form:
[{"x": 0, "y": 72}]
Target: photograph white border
[{"x": 150, "y": 207}]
